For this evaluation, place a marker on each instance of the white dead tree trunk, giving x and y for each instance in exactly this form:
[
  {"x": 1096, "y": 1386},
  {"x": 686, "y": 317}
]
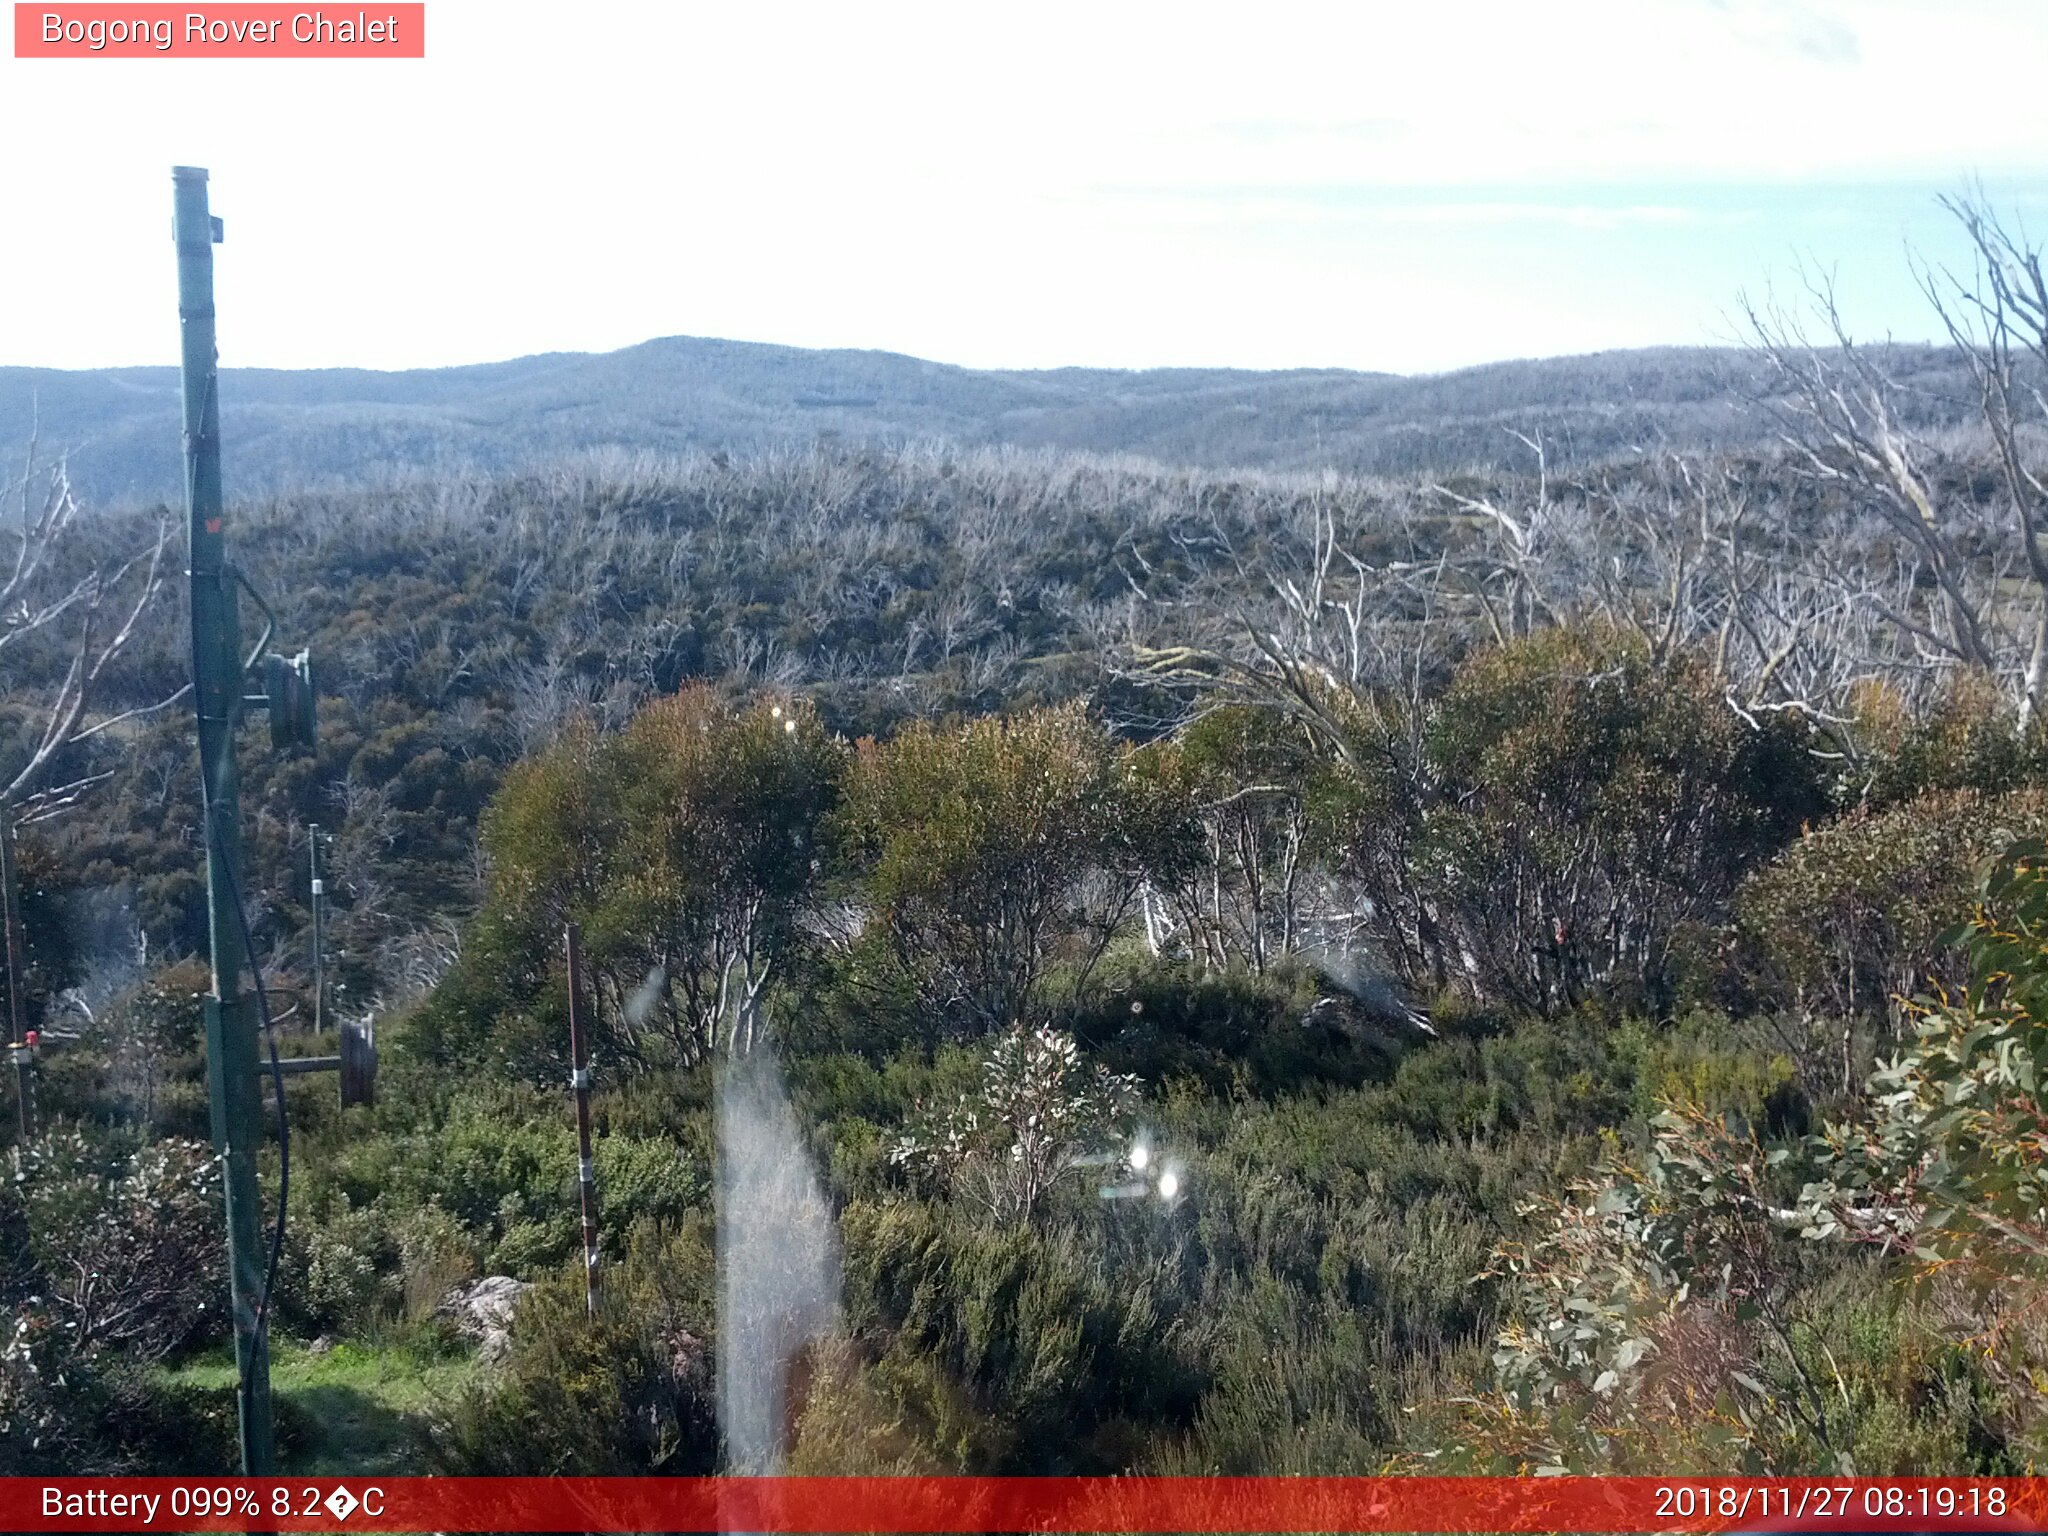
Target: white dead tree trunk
[
  {"x": 1968, "y": 584},
  {"x": 87, "y": 610},
  {"x": 1999, "y": 321}
]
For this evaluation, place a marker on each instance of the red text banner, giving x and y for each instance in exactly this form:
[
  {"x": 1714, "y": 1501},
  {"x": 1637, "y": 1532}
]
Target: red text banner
[
  {"x": 224, "y": 31},
  {"x": 777, "y": 1505}
]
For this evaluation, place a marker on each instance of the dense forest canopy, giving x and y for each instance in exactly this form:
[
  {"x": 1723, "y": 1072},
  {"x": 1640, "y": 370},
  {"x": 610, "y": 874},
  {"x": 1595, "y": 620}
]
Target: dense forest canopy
[{"x": 1520, "y": 962}]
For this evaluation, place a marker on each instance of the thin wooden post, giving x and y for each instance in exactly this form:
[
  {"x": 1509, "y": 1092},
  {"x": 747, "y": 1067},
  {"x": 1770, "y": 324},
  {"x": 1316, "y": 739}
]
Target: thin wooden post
[
  {"x": 579, "y": 1083},
  {"x": 17, "y": 977},
  {"x": 319, "y": 900}
]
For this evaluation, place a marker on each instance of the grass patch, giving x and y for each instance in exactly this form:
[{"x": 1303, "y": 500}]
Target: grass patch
[{"x": 356, "y": 1408}]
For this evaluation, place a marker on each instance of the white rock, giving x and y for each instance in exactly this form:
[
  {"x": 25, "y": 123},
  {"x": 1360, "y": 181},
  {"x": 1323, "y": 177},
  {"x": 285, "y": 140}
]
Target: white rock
[{"x": 485, "y": 1308}]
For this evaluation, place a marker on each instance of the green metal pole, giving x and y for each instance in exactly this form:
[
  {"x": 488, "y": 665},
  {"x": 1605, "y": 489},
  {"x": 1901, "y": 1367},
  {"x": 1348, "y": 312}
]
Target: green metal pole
[{"x": 217, "y": 667}]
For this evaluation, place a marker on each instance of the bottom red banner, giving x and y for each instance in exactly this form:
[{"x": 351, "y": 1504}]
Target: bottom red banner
[{"x": 773, "y": 1506}]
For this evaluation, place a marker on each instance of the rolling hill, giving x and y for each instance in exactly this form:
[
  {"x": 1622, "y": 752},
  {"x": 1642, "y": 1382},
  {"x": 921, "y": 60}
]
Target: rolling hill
[{"x": 287, "y": 429}]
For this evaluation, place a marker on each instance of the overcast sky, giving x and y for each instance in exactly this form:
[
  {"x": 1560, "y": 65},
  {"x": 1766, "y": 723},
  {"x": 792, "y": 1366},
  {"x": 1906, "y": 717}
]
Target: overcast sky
[{"x": 1390, "y": 186}]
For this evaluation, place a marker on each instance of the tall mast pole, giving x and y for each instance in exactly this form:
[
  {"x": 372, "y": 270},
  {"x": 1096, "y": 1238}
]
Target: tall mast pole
[{"x": 217, "y": 673}]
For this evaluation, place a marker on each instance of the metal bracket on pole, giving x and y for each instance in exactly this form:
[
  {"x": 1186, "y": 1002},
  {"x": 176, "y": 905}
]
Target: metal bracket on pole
[{"x": 356, "y": 1065}]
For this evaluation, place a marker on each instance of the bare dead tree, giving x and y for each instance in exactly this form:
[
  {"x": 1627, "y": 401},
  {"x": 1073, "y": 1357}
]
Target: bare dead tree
[
  {"x": 1687, "y": 564},
  {"x": 87, "y": 611},
  {"x": 1999, "y": 321},
  {"x": 1510, "y": 587},
  {"x": 1325, "y": 640},
  {"x": 1941, "y": 579}
]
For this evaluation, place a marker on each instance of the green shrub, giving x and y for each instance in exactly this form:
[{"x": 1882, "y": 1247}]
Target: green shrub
[
  {"x": 975, "y": 847},
  {"x": 647, "y": 1179},
  {"x": 1300, "y": 1385},
  {"x": 126, "y": 1239},
  {"x": 1165, "y": 1019},
  {"x": 1949, "y": 1154},
  {"x": 1004, "y": 1146},
  {"x": 629, "y": 1391},
  {"x": 339, "y": 1272},
  {"x": 140, "y": 1060},
  {"x": 1968, "y": 740},
  {"x": 1592, "y": 812},
  {"x": 71, "y": 1415},
  {"x": 1049, "y": 1338},
  {"x": 1844, "y": 923},
  {"x": 1245, "y": 798},
  {"x": 435, "y": 1254},
  {"x": 685, "y": 846}
]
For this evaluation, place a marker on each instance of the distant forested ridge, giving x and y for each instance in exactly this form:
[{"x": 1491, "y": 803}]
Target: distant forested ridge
[{"x": 292, "y": 430}]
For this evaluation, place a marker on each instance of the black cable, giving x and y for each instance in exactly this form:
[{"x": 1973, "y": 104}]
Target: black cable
[{"x": 284, "y": 1127}]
